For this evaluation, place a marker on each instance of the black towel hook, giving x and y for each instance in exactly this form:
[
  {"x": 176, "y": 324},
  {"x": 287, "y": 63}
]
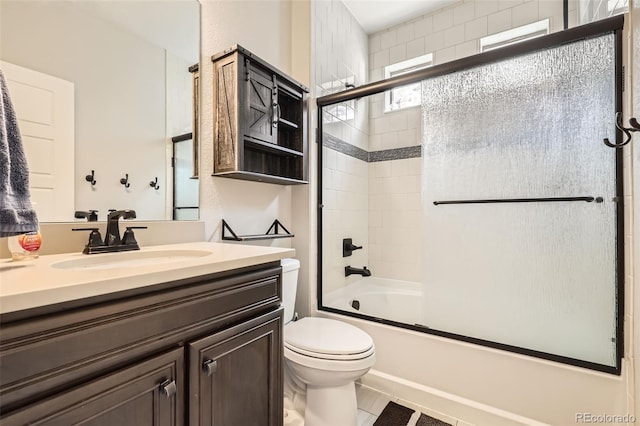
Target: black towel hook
[
  {"x": 125, "y": 180},
  {"x": 635, "y": 127},
  {"x": 154, "y": 184},
  {"x": 91, "y": 178}
]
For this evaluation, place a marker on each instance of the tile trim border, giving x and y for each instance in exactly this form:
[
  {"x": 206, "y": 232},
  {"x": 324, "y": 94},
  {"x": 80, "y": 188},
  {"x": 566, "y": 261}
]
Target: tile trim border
[
  {"x": 346, "y": 148},
  {"x": 396, "y": 154}
]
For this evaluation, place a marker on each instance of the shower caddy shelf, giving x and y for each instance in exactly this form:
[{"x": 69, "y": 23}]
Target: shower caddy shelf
[
  {"x": 272, "y": 233},
  {"x": 521, "y": 200}
]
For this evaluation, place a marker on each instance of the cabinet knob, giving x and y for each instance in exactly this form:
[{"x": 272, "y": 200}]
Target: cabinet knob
[
  {"x": 210, "y": 366},
  {"x": 168, "y": 388}
]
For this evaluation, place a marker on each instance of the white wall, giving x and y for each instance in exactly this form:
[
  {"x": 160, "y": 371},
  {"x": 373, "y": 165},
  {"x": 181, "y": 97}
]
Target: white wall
[
  {"x": 119, "y": 98},
  {"x": 263, "y": 27},
  {"x": 304, "y": 196}
]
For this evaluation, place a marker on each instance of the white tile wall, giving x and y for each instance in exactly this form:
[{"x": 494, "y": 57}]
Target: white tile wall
[
  {"x": 379, "y": 204},
  {"x": 459, "y": 23},
  {"x": 395, "y": 218},
  {"x": 345, "y": 215},
  {"x": 395, "y": 199},
  {"x": 342, "y": 56}
]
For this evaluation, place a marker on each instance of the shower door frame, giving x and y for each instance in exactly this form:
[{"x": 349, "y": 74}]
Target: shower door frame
[{"x": 606, "y": 26}]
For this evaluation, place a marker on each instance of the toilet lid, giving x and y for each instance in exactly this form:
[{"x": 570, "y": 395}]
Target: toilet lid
[{"x": 322, "y": 336}]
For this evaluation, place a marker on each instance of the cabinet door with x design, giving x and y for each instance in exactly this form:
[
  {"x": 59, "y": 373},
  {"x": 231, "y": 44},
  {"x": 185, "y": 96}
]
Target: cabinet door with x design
[{"x": 261, "y": 107}]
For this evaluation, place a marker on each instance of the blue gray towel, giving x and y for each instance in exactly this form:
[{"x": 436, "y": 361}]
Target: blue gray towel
[{"x": 16, "y": 213}]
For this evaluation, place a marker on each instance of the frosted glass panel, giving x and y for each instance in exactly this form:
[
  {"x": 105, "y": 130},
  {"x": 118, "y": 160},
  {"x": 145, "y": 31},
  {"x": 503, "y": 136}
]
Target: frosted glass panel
[{"x": 540, "y": 276}]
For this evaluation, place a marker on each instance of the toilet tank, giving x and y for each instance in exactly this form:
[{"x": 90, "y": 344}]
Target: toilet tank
[{"x": 290, "y": 269}]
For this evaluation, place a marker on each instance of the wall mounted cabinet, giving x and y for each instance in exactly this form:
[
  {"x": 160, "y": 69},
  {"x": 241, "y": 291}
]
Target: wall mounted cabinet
[{"x": 260, "y": 120}]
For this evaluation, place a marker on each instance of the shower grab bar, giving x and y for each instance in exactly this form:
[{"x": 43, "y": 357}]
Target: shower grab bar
[{"x": 521, "y": 200}]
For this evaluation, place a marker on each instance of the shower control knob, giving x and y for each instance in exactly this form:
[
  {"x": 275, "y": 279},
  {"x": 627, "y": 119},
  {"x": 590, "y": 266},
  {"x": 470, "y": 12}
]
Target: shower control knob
[{"x": 348, "y": 247}]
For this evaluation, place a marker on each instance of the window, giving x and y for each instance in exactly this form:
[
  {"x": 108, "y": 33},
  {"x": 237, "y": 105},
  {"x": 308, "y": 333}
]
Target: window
[
  {"x": 514, "y": 35},
  {"x": 409, "y": 95},
  {"x": 594, "y": 10},
  {"x": 615, "y": 7},
  {"x": 343, "y": 111}
]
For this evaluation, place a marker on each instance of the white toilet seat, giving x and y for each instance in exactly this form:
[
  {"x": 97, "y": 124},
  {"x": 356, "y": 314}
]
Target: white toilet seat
[
  {"x": 328, "y": 344},
  {"x": 330, "y": 365},
  {"x": 331, "y": 357},
  {"x": 327, "y": 339}
]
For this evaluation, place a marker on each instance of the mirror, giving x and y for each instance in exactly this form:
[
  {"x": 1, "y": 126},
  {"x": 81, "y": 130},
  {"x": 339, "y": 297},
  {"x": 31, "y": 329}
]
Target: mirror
[{"x": 121, "y": 89}]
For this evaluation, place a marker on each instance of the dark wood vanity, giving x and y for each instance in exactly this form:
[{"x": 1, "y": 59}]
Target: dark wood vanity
[{"x": 205, "y": 350}]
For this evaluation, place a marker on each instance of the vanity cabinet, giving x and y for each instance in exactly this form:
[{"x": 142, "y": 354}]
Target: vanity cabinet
[
  {"x": 260, "y": 120},
  {"x": 147, "y": 393},
  {"x": 231, "y": 373},
  {"x": 201, "y": 351}
]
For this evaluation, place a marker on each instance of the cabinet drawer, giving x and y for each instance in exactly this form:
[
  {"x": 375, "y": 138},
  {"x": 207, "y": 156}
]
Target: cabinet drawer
[
  {"x": 42, "y": 356},
  {"x": 149, "y": 393}
]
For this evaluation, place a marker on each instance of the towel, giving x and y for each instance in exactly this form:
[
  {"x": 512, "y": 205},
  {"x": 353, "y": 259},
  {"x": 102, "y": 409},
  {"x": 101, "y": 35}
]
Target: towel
[{"x": 17, "y": 216}]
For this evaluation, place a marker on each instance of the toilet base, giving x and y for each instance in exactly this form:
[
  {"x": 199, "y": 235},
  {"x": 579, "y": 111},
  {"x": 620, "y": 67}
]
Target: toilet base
[{"x": 331, "y": 406}]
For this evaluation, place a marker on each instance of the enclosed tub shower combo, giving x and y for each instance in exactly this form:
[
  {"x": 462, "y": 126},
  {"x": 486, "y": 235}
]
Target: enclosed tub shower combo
[{"x": 501, "y": 225}]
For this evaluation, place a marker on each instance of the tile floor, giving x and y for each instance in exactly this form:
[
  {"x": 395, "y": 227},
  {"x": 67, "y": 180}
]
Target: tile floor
[{"x": 371, "y": 403}]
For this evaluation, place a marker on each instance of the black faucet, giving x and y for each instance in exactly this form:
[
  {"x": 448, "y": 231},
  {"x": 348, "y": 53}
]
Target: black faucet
[
  {"x": 112, "y": 241},
  {"x": 113, "y": 230},
  {"x": 91, "y": 215},
  {"x": 348, "y": 270}
]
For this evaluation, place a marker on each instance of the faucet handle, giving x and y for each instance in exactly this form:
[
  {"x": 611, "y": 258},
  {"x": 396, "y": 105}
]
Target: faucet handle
[
  {"x": 95, "y": 239},
  {"x": 90, "y": 215},
  {"x": 129, "y": 238},
  {"x": 348, "y": 247}
]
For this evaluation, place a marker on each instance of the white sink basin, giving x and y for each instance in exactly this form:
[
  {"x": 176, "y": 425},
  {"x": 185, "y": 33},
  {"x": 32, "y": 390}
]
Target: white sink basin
[{"x": 130, "y": 259}]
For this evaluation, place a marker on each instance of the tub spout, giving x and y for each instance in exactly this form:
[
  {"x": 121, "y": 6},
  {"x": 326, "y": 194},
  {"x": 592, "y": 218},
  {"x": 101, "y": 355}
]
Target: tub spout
[{"x": 348, "y": 270}]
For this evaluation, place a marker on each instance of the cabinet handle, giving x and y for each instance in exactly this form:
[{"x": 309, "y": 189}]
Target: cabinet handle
[
  {"x": 276, "y": 114},
  {"x": 210, "y": 366},
  {"x": 168, "y": 388}
]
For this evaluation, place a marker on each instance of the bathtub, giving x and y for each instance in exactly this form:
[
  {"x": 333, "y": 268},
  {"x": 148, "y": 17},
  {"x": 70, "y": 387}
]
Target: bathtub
[
  {"x": 461, "y": 382},
  {"x": 395, "y": 300}
]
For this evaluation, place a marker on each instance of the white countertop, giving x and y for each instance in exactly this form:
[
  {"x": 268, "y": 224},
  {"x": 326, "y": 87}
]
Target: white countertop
[{"x": 35, "y": 283}]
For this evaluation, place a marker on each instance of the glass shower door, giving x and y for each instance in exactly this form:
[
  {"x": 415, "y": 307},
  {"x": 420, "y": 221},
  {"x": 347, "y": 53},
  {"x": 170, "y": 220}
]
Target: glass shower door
[{"x": 520, "y": 202}]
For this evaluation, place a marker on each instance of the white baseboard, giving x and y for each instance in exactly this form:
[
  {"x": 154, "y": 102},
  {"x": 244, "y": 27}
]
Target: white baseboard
[{"x": 465, "y": 410}]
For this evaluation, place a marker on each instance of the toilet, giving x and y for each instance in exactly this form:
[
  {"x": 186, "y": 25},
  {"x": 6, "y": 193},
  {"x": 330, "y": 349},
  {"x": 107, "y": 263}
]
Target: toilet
[{"x": 323, "y": 358}]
